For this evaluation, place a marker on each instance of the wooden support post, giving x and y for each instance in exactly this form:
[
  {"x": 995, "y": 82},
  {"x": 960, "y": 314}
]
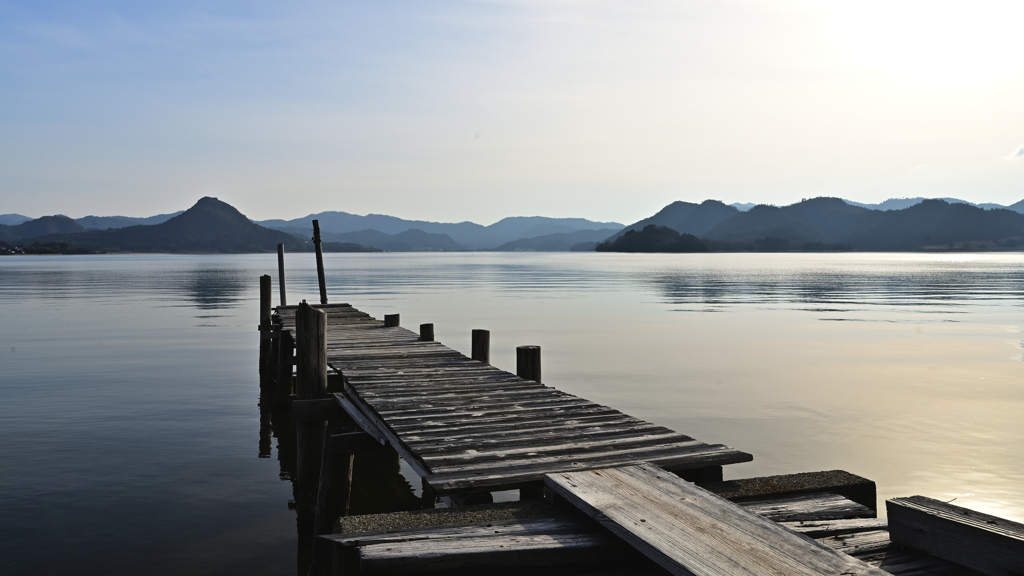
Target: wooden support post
[
  {"x": 427, "y": 332},
  {"x": 701, "y": 476},
  {"x": 310, "y": 383},
  {"x": 285, "y": 363},
  {"x": 311, "y": 355},
  {"x": 482, "y": 346},
  {"x": 334, "y": 492},
  {"x": 528, "y": 362},
  {"x": 428, "y": 497},
  {"x": 391, "y": 320},
  {"x": 280, "y": 273},
  {"x": 265, "y": 327},
  {"x": 319, "y": 261}
]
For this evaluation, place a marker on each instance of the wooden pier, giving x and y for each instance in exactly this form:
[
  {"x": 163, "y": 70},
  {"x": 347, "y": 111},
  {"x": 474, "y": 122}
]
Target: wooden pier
[
  {"x": 468, "y": 427},
  {"x": 623, "y": 496}
]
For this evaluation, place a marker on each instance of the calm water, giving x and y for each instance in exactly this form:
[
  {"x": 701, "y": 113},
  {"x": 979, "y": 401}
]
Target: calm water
[{"x": 132, "y": 435}]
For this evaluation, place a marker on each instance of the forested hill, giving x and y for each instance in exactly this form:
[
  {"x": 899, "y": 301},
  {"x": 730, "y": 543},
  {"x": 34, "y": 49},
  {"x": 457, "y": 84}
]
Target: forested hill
[
  {"x": 209, "y": 226},
  {"x": 831, "y": 223}
]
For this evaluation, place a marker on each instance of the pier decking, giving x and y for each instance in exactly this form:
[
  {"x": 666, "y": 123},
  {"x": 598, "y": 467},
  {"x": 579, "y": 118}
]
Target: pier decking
[{"x": 466, "y": 426}]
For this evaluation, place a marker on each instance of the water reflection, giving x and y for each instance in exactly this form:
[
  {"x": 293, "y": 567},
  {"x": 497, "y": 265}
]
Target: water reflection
[
  {"x": 213, "y": 288},
  {"x": 874, "y": 288}
]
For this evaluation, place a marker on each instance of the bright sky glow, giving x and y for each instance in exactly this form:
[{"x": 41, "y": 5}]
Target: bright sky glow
[{"x": 476, "y": 110}]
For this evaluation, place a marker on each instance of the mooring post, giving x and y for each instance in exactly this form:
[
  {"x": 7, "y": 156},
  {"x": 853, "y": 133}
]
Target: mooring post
[
  {"x": 280, "y": 273},
  {"x": 285, "y": 364},
  {"x": 528, "y": 362},
  {"x": 482, "y": 346},
  {"x": 310, "y": 383},
  {"x": 265, "y": 327},
  {"x": 319, "y": 261},
  {"x": 391, "y": 320},
  {"x": 427, "y": 332}
]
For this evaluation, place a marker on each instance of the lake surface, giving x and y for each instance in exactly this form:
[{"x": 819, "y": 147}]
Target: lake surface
[{"x": 132, "y": 436}]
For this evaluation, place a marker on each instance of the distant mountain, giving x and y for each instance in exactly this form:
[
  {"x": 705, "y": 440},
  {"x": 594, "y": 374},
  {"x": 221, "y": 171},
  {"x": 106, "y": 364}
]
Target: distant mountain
[
  {"x": 558, "y": 242},
  {"x": 13, "y": 219},
  {"x": 469, "y": 235},
  {"x": 105, "y": 222},
  {"x": 1017, "y": 207},
  {"x": 686, "y": 217},
  {"x": 40, "y": 227},
  {"x": 936, "y": 223},
  {"x": 743, "y": 206},
  {"x": 834, "y": 224},
  {"x": 209, "y": 226},
  {"x": 409, "y": 241},
  {"x": 901, "y": 203}
]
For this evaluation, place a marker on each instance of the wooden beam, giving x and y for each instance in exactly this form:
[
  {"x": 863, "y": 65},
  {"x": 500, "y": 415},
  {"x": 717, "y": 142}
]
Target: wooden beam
[
  {"x": 316, "y": 409},
  {"x": 988, "y": 544},
  {"x": 352, "y": 442},
  {"x": 692, "y": 532}
]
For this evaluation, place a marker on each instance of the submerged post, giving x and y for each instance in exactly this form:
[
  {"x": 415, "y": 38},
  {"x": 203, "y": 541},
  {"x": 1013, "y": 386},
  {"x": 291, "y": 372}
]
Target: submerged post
[
  {"x": 482, "y": 346},
  {"x": 427, "y": 332},
  {"x": 280, "y": 272},
  {"x": 391, "y": 320},
  {"x": 528, "y": 362},
  {"x": 319, "y": 261}
]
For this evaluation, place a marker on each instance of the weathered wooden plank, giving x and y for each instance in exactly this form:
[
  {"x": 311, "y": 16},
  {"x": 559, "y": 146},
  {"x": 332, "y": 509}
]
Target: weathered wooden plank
[
  {"x": 543, "y": 438},
  {"x": 488, "y": 553},
  {"x": 436, "y": 428},
  {"x": 822, "y": 528},
  {"x": 528, "y": 425},
  {"x": 531, "y": 472},
  {"x": 821, "y": 506},
  {"x": 859, "y": 543},
  {"x": 986, "y": 543},
  {"x": 692, "y": 532},
  {"x": 575, "y": 459},
  {"x": 515, "y": 527},
  {"x": 635, "y": 441}
]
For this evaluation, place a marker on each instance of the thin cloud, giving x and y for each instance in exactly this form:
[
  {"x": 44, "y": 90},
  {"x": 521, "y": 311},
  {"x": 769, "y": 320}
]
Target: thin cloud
[{"x": 1018, "y": 153}]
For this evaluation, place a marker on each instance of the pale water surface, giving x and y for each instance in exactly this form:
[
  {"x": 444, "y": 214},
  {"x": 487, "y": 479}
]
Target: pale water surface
[{"x": 131, "y": 432}]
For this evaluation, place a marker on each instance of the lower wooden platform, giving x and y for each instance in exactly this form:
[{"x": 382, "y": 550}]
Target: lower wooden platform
[{"x": 576, "y": 544}]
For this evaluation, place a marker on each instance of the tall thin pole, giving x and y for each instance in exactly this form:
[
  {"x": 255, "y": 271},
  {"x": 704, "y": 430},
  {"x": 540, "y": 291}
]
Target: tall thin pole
[
  {"x": 319, "y": 261},
  {"x": 280, "y": 272}
]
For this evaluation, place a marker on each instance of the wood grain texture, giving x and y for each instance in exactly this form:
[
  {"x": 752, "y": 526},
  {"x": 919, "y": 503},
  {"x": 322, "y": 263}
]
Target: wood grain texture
[
  {"x": 690, "y": 531},
  {"x": 988, "y": 544}
]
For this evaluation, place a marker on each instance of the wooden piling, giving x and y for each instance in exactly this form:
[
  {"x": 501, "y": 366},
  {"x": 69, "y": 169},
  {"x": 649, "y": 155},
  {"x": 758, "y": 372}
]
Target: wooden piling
[
  {"x": 285, "y": 364},
  {"x": 482, "y": 346},
  {"x": 280, "y": 273},
  {"x": 319, "y": 261},
  {"x": 391, "y": 320},
  {"x": 310, "y": 383},
  {"x": 311, "y": 352},
  {"x": 266, "y": 325},
  {"x": 427, "y": 332},
  {"x": 528, "y": 362},
  {"x": 334, "y": 491}
]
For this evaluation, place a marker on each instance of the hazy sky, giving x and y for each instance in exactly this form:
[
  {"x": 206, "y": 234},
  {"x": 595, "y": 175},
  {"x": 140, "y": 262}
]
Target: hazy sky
[{"x": 477, "y": 110}]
